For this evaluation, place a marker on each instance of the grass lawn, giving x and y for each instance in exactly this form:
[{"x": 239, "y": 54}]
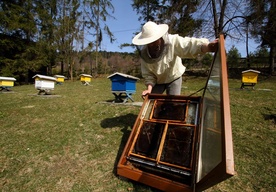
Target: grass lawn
[{"x": 72, "y": 140}]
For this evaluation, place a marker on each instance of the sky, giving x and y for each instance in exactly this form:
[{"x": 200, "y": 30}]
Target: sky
[
  {"x": 123, "y": 27},
  {"x": 126, "y": 24}
]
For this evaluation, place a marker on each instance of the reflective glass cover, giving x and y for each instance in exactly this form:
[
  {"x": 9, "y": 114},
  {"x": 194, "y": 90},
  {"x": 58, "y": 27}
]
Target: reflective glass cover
[{"x": 215, "y": 159}]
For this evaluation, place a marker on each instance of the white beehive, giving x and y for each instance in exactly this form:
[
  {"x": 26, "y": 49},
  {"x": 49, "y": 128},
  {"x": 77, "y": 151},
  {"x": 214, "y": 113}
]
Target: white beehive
[{"x": 44, "y": 83}]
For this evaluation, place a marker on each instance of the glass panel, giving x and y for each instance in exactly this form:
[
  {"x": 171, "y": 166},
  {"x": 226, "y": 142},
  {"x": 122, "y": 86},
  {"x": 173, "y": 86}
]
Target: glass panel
[
  {"x": 169, "y": 110},
  {"x": 149, "y": 139},
  {"x": 210, "y": 143},
  {"x": 178, "y": 145},
  {"x": 164, "y": 142}
]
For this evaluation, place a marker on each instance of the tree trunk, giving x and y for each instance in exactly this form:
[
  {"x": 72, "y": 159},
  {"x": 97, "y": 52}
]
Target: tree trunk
[
  {"x": 97, "y": 39},
  {"x": 62, "y": 67},
  {"x": 71, "y": 70},
  {"x": 247, "y": 52},
  {"x": 216, "y": 27},
  {"x": 221, "y": 18},
  {"x": 271, "y": 59}
]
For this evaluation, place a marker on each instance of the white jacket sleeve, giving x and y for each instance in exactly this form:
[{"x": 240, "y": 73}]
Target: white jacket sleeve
[{"x": 188, "y": 47}]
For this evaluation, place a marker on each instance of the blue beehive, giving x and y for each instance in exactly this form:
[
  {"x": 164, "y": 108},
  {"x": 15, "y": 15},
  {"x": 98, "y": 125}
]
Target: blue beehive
[
  {"x": 123, "y": 86},
  {"x": 123, "y": 82}
]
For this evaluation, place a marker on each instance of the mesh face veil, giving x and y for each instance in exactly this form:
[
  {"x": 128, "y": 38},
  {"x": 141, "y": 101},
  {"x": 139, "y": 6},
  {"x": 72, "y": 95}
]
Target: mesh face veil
[{"x": 144, "y": 52}]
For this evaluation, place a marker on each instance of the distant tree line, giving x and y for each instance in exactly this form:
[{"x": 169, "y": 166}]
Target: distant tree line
[
  {"x": 37, "y": 35},
  {"x": 48, "y": 36},
  {"x": 259, "y": 60}
]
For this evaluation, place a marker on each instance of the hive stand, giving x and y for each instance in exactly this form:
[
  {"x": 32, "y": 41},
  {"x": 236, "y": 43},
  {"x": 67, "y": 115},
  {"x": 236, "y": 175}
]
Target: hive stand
[{"x": 123, "y": 96}]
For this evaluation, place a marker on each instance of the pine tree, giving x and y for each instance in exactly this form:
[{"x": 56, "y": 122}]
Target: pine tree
[{"x": 262, "y": 15}]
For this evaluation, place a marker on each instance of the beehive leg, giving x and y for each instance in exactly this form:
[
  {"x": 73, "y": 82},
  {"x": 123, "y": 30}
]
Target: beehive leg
[
  {"x": 129, "y": 96},
  {"x": 47, "y": 92},
  {"x": 242, "y": 86},
  {"x": 118, "y": 98},
  {"x": 4, "y": 89},
  {"x": 40, "y": 91}
]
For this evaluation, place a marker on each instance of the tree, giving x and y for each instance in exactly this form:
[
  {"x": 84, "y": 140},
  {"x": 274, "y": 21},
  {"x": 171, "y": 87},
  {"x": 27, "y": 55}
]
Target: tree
[
  {"x": 95, "y": 11},
  {"x": 223, "y": 16},
  {"x": 207, "y": 59},
  {"x": 243, "y": 17},
  {"x": 40, "y": 34},
  {"x": 18, "y": 29},
  {"x": 148, "y": 9},
  {"x": 177, "y": 14},
  {"x": 260, "y": 57},
  {"x": 233, "y": 57},
  {"x": 67, "y": 32},
  {"x": 46, "y": 43},
  {"x": 262, "y": 15}
]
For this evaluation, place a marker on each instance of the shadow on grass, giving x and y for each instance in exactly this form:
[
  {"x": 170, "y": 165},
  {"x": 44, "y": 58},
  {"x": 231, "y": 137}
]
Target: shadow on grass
[
  {"x": 125, "y": 122},
  {"x": 270, "y": 117}
]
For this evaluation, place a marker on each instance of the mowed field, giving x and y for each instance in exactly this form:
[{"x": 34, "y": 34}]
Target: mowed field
[{"x": 72, "y": 140}]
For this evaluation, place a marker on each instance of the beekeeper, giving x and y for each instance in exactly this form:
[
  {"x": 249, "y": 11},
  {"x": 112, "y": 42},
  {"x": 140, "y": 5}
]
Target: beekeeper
[{"x": 161, "y": 55}]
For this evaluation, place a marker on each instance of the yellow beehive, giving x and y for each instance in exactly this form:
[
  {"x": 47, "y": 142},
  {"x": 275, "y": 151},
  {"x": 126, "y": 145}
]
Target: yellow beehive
[
  {"x": 6, "y": 82},
  {"x": 249, "y": 78},
  {"x": 59, "y": 78},
  {"x": 85, "y": 79}
]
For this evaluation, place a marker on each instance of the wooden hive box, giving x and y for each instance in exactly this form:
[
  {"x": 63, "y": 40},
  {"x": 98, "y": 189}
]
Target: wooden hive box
[
  {"x": 85, "y": 79},
  {"x": 122, "y": 86},
  {"x": 183, "y": 143},
  {"x": 123, "y": 82},
  {"x": 249, "y": 78},
  {"x": 59, "y": 78},
  {"x": 44, "y": 83},
  {"x": 6, "y": 82}
]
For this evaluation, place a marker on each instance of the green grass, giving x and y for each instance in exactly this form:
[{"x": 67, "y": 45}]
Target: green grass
[{"x": 72, "y": 142}]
